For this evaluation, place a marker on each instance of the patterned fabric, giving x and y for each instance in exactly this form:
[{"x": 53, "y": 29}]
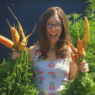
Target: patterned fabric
[{"x": 50, "y": 76}]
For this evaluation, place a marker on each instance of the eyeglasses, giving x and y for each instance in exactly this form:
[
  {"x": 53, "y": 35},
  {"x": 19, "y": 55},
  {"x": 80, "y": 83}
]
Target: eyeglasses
[{"x": 56, "y": 25}]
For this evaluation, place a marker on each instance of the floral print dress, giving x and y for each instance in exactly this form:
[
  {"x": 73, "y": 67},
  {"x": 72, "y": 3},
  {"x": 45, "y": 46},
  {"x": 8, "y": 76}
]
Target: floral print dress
[{"x": 50, "y": 76}]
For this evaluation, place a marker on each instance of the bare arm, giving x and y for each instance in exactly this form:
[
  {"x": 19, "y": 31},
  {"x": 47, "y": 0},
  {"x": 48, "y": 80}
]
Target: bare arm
[
  {"x": 73, "y": 69},
  {"x": 31, "y": 52}
]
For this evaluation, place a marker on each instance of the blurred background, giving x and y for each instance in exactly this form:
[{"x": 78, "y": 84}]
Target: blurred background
[{"x": 28, "y": 13}]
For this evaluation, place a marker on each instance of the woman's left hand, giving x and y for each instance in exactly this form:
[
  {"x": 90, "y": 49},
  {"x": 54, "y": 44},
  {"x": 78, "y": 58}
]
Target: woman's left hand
[{"x": 83, "y": 67}]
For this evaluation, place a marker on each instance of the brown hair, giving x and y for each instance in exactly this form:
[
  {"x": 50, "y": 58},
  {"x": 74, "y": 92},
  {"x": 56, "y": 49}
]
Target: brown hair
[{"x": 60, "y": 48}]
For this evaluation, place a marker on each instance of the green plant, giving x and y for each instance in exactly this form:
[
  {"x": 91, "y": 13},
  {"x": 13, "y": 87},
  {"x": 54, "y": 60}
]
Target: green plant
[
  {"x": 83, "y": 84},
  {"x": 90, "y": 10},
  {"x": 15, "y": 77},
  {"x": 74, "y": 26}
]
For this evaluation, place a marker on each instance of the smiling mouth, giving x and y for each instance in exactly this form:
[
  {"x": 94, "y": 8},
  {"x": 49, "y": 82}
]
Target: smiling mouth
[{"x": 53, "y": 36}]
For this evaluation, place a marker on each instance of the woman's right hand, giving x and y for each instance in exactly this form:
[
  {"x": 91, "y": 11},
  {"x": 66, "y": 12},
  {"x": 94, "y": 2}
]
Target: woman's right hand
[{"x": 15, "y": 54}]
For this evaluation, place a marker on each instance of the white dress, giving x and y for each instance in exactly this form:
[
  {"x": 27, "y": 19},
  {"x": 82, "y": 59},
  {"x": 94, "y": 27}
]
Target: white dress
[{"x": 50, "y": 76}]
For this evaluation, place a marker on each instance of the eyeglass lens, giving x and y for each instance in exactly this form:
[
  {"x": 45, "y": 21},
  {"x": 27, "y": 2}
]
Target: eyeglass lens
[{"x": 56, "y": 25}]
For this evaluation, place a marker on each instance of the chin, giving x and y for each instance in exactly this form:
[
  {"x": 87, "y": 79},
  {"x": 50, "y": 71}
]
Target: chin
[{"x": 53, "y": 42}]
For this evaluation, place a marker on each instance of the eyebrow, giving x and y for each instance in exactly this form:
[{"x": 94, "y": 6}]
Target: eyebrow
[{"x": 55, "y": 21}]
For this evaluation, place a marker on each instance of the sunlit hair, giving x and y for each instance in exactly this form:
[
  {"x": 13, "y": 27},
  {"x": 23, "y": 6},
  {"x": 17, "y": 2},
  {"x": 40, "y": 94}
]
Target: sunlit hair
[{"x": 61, "y": 46}]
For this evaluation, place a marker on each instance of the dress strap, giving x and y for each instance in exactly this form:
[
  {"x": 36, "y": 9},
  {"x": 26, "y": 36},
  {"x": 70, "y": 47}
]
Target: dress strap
[
  {"x": 37, "y": 52},
  {"x": 67, "y": 61},
  {"x": 69, "y": 54}
]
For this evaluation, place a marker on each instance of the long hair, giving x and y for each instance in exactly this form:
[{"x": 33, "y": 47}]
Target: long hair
[{"x": 62, "y": 44}]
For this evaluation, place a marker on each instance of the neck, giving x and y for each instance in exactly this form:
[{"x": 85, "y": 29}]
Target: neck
[{"x": 52, "y": 47}]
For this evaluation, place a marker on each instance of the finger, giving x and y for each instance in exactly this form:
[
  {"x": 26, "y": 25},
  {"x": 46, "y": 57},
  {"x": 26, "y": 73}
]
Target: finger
[
  {"x": 85, "y": 71},
  {"x": 83, "y": 65},
  {"x": 83, "y": 62},
  {"x": 34, "y": 43},
  {"x": 18, "y": 56},
  {"x": 13, "y": 49},
  {"x": 16, "y": 53},
  {"x": 83, "y": 68},
  {"x": 37, "y": 42},
  {"x": 13, "y": 57}
]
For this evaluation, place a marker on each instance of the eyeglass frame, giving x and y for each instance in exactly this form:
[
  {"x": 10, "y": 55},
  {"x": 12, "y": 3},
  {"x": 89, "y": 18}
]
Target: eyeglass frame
[{"x": 54, "y": 25}]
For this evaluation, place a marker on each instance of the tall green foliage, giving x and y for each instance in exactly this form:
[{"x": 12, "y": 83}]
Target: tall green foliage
[
  {"x": 78, "y": 22},
  {"x": 84, "y": 84},
  {"x": 90, "y": 10},
  {"x": 15, "y": 77},
  {"x": 90, "y": 13}
]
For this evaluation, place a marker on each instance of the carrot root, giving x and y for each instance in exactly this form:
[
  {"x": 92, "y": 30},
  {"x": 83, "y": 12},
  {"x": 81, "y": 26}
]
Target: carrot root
[
  {"x": 15, "y": 36},
  {"x": 73, "y": 48},
  {"x": 73, "y": 56},
  {"x": 5, "y": 41},
  {"x": 80, "y": 48}
]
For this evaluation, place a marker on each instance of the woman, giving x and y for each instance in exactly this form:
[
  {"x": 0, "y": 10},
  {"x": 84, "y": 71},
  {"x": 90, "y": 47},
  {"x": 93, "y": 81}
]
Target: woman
[{"x": 51, "y": 58}]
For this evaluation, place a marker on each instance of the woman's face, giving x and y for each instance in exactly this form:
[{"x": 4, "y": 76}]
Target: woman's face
[{"x": 54, "y": 32}]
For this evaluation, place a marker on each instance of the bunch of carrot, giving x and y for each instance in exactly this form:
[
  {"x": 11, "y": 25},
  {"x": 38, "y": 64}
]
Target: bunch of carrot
[
  {"x": 19, "y": 41},
  {"x": 82, "y": 84},
  {"x": 15, "y": 75},
  {"x": 81, "y": 44}
]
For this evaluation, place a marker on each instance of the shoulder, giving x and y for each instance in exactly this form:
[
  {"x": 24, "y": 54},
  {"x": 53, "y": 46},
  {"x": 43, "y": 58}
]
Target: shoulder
[
  {"x": 70, "y": 52},
  {"x": 32, "y": 49},
  {"x": 31, "y": 52},
  {"x": 72, "y": 63}
]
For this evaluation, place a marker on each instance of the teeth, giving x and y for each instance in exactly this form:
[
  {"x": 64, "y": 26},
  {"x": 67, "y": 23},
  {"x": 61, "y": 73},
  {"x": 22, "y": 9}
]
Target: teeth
[{"x": 52, "y": 34}]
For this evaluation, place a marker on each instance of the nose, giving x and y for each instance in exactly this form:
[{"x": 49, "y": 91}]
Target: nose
[{"x": 53, "y": 27}]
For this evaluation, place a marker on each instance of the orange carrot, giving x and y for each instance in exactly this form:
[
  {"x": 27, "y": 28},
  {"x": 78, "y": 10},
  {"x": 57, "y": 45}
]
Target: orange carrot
[
  {"x": 20, "y": 30},
  {"x": 5, "y": 41},
  {"x": 73, "y": 56},
  {"x": 80, "y": 48},
  {"x": 73, "y": 48},
  {"x": 19, "y": 39},
  {"x": 15, "y": 36},
  {"x": 77, "y": 55}
]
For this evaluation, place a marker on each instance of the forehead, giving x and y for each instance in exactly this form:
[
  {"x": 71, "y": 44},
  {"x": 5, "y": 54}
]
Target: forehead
[{"x": 54, "y": 18}]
